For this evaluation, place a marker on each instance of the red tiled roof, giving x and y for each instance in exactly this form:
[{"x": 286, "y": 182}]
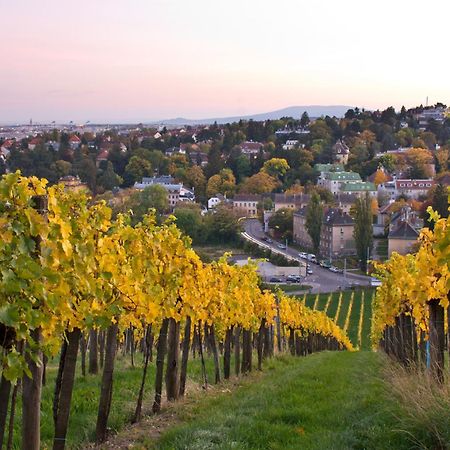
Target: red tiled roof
[
  {"x": 103, "y": 155},
  {"x": 74, "y": 138}
]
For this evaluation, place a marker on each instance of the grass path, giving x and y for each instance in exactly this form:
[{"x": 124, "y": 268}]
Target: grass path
[{"x": 331, "y": 400}]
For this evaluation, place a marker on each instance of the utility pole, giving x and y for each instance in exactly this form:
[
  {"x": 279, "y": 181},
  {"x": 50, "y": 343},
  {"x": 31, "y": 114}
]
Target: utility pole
[
  {"x": 367, "y": 261},
  {"x": 345, "y": 269}
]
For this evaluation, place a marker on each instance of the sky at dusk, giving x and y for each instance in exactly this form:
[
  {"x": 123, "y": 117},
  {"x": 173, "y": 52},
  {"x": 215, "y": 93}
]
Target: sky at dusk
[{"x": 141, "y": 60}]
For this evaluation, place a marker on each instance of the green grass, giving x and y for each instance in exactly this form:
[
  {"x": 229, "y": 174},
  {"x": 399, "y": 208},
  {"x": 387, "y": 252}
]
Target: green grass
[
  {"x": 352, "y": 330},
  {"x": 85, "y": 399},
  {"x": 300, "y": 403}
]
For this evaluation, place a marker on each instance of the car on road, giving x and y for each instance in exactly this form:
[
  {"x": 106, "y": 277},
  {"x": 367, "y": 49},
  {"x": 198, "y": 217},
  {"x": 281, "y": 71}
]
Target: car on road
[
  {"x": 276, "y": 280},
  {"x": 303, "y": 255},
  {"x": 309, "y": 271},
  {"x": 282, "y": 246},
  {"x": 294, "y": 278},
  {"x": 312, "y": 257}
]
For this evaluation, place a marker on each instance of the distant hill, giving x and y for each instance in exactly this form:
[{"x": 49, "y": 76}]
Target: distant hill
[{"x": 292, "y": 111}]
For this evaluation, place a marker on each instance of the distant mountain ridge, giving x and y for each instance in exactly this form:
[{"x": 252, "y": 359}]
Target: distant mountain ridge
[{"x": 291, "y": 111}]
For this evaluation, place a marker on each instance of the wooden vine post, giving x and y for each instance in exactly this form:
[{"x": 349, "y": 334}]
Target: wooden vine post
[{"x": 32, "y": 386}]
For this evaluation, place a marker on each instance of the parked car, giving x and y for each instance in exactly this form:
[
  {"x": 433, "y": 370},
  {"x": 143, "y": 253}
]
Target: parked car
[
  {"x": 303, "y": 255},
  {"x": 309, "y": 271},
  {"x": 282, "y": 246},
  {"x": 333, "y": 269},
  {"x": 269, "y": 241},
  {"x": 294, "y": 278},
  {"x": 312, "y": 257},
  {"x": 324, "y": 263},
  {"x": 276, "y": 280}
]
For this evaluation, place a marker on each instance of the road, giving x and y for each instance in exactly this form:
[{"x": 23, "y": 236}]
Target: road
[{"x": 322, "y": 279}]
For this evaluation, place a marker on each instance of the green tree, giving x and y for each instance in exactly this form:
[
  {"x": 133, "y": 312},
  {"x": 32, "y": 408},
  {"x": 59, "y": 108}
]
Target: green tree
[
  {"x": 304, "y": 120},
  {"x": 439, "y": 201},
  {"x": 152, "y": 197},
  {"x": 109, "y": 179},
  {"x": 314, "y": 216},
  {"x": 282, "y": 222},
  {"x": 136, "y": 169},
  {"x": 189, "y": 220},
  {"x": 222, "y": 226},
  {"x": 363, "y": 231}
]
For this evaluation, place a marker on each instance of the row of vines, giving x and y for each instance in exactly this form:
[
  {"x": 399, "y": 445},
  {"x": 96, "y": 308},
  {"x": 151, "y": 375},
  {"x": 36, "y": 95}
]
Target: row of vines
[
  {"x": 72, "y": 277},
  {"x": 411, "y": 313}
]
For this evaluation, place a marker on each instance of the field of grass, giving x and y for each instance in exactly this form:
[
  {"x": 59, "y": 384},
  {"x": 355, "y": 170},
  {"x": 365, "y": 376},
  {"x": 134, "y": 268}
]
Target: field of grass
[
  {"x": 359, "y": 338},
  {"x": 300, "y": 403},
  {"x": 85, "y": 399}
]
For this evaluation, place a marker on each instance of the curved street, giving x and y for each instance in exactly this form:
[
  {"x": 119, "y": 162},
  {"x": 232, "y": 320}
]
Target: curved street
[{"x": 322, "y": 280}]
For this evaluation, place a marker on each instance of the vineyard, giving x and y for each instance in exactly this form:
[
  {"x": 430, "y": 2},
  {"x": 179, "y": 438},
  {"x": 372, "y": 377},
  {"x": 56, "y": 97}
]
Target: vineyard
[
  {"x": 351, "y": 310},
  {"x": 75, "y": 280},
  {"x": 411, "y": 318}
]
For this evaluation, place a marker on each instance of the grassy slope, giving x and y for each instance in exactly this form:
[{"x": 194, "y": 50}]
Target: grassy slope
[
  {"x": 329, "y": 400},
  {"x": 85, "y": 399},
  {"x": 354, "y": 317}
]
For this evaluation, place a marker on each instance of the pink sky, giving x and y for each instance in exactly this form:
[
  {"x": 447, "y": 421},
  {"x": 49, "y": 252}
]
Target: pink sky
[{"x": 140, "y": 60}]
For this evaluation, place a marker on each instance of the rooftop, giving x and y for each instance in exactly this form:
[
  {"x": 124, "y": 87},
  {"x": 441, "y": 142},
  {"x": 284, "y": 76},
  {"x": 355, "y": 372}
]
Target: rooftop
[
  {"x": 404, "y": 231},
  {"x": 343, "y": 176},
  {"x": 358, "y": 186}
]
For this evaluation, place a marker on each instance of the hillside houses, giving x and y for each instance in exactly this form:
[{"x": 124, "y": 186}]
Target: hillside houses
[
  {"x": 176, "y": 191},
  {"x": 251, "y": 148},
  {"x": 336, "y": 238},
  {"x": 246, "y": 204}
]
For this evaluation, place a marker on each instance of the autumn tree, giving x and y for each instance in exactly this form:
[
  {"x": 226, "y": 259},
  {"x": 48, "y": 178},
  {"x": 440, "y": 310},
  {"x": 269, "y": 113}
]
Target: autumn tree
[
  {"x": 259, "y": 183},
  {"x": 418, "y": 160},
  {"x": 442, "y": 158},
  {"x": 380, "y": 177},
  {"x": 363, "y": 231},
  {"x": 195, "y": 178},
  {"x": 222, "y": 183},
  {"x": 276, "y": 167},
  {"x": 314, "y": 216}
]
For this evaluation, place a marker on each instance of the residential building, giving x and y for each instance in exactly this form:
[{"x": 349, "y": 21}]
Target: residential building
[
  {"x": 5, "y": 148},
  {"x": 176, "y": 192},
  {"x": 292, "y": 201},
  {"x": 74, "y": 142},
  {"x": 340, "y": 152},
  {"x": 324, "y": 168},
  {"x": 251, "y": 148},
  {"x": 413, "y": 188},
  {"x": 216, "y": 200},
  {"x": 73, "y": 183},
  {"x": 402, "y": 238},
  {"x": 359, "y": 188},
  {"x": 336, "y": 238},
  {"x": 290, "y": 144},
  {"x": 34, "y": 142},
  {"x": 199, "y": 158},
  {"x": 334, "y": 181},
  {"x": 247, "y": 204}
]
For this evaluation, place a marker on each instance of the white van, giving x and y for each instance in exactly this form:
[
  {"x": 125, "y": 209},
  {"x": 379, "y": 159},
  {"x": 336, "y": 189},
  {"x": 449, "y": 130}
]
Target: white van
[{"x": 375, "y": 282}]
